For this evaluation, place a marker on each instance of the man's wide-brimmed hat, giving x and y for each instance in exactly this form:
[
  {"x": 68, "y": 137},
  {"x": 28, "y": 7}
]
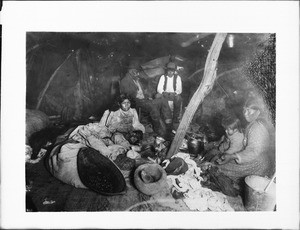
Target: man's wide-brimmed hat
[
  {"x": 171, "y": 66},
  {"x": 150, "y": 178}
]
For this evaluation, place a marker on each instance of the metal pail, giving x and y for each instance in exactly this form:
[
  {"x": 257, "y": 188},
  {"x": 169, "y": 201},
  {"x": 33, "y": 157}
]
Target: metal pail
[{"x": 256, "y": 199}]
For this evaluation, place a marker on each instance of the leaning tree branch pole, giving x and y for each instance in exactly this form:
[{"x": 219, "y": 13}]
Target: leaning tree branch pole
[
  {"x": 42, "y": 94},
  {"x": 204, "y": 88}
]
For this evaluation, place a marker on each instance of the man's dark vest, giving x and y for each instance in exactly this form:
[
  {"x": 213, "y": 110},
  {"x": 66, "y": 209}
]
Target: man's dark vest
[{"x": 174, "y": 82}]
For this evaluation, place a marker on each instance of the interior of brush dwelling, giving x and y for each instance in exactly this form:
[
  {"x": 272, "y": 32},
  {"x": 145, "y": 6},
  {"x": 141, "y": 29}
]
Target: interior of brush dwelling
[{"x": 150, "y": 121}]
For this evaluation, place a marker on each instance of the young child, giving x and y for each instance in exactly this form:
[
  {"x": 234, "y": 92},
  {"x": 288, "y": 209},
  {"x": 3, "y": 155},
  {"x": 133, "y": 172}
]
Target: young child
[{"x": 233, "y": 140}]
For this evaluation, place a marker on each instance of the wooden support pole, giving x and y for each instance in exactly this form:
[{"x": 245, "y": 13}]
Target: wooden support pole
[
  {"x": 42, "y": 94},
  {"x": 204, "y": 88}
]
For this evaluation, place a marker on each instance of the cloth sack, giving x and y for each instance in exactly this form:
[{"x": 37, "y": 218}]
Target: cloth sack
[{"x": 62, "y": 163}]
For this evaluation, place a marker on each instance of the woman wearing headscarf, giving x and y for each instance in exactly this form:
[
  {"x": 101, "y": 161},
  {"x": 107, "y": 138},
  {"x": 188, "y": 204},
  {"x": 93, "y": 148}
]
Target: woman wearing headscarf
[{"x": 257, "y": 157}]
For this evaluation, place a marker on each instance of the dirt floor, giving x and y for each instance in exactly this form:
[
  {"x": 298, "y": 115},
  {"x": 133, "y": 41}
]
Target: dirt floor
[
  {"x": 49, "y": 194},
  {"x": 45, "y": 193}
]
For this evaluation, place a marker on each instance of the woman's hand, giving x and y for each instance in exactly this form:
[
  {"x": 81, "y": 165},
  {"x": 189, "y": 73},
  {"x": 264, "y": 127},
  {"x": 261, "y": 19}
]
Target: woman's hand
[{"x": 226, "y": 158}]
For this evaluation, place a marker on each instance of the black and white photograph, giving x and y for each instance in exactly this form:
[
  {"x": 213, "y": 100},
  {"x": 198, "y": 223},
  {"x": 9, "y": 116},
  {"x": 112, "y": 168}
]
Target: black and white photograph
[
  {"x": 125, "y": 120},
  {"x": 150, "y": 121}
]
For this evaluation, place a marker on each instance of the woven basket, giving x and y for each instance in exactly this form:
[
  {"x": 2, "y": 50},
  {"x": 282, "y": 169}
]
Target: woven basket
[{"x": 99, "y": 173}]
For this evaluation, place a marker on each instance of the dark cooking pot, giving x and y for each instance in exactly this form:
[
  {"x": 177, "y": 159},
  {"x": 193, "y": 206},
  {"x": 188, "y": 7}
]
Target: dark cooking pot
[{"x": 195, "y": 146}]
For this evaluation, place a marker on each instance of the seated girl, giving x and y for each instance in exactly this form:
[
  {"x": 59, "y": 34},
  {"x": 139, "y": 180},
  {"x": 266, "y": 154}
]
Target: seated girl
[
  {"x": 257, "y": 156},
  {"x": 124, "y": 124}
]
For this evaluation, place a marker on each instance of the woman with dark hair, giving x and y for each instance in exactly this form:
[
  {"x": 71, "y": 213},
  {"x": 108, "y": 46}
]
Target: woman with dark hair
[
  {"x": 123, "y": 123},
  {"x": 116, "y": 133},
  {"x": 256, "y": 157}
]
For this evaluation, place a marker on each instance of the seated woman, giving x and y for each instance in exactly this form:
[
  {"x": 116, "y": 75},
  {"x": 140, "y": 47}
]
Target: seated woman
[
  {"x": 123, "y": 124},
  {"x": 256, "y": 158},
  {"x": 106, "y": 136}
]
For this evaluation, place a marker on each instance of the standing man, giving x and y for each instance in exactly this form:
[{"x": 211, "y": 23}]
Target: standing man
[
  {"x": 143, "y": 97},
  {"x": 170, "y": 86}
]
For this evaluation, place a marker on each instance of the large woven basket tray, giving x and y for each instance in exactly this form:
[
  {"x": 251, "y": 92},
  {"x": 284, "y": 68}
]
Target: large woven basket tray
[{"x": 99, "y": 173}]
